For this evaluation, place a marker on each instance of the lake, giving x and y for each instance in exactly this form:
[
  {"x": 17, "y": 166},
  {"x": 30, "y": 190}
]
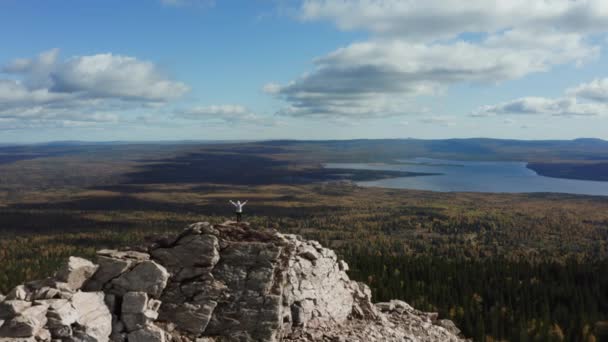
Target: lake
[{"x": 474, "y": 176}]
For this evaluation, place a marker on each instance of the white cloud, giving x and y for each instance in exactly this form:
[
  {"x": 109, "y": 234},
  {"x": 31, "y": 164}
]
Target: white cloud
[
  {"x": 444, "y": 19},
  {"x": 114, "y": 76},
  {"x": 596, "y": 90},
  {"x": 586, "y": 99},
  {"x": 380, "y": 78},
  {"x": 421, "y": 48},
  {"x": 222, "y": 114},
  {"x": 46, "y": 89},
  {"x": 565, "y": 106},
  {"x": 439, "y": 120}
]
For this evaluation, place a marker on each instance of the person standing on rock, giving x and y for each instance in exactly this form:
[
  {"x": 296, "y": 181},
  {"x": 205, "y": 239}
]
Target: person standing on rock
[{"x": 239, "y": 209}]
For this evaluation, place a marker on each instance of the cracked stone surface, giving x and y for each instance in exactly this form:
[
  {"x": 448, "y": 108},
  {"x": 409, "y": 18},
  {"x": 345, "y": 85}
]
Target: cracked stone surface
[{"x": 226, "y": 282}]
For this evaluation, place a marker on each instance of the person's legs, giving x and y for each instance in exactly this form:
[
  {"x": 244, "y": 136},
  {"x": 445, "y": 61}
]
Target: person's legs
[{"x": 238, "y": 217}]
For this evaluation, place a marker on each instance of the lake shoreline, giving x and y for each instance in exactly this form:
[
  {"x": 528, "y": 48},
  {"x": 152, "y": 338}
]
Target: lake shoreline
[
  {"x": 597, "y": 171},
  {"x": 472, "y": 176}
]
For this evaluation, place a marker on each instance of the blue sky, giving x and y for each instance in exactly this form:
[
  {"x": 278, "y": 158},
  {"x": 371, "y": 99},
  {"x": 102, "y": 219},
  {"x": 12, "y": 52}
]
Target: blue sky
[{"x": 310, "y": 69}]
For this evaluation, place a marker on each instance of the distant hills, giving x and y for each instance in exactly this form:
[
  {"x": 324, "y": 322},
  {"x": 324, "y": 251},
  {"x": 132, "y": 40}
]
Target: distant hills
[{"x": 582, "y": 158}]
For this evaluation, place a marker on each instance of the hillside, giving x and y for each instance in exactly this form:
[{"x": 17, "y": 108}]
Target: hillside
[
  {"x": 545, "y": 255},
  {"x": 227, "y": 282}
]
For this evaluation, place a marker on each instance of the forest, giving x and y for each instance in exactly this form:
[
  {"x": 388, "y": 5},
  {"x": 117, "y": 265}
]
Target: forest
[{"x": 516, "y": 267}]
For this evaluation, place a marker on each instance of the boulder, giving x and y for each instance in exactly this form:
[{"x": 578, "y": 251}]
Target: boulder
[
  {"x": 28, "y": 323},
  {"x": 135, "y": 321},
  {"x": 147, "y": 334},
  {"x": 19, "y": 292},
  {"x": 94, "y": 319},
  {"x": 138, "y": 311},
  {"x": 76, "y": 272},
  {"x": 191, "y": 318},
  {"x": 61, "y": 315},
  {"x": 46, "y": 292},
  {"x": 449, "y": 326},
  {"x": 108, "y": 269},
  {"x": 11, "y": 308},
  {"x": 43, "y": 335},
  {"x": 147, "y": 276},
  {"x": 385, "y": 306},
  {"x": 134, "y": 302},
  {"x": 191, "y": 251}
]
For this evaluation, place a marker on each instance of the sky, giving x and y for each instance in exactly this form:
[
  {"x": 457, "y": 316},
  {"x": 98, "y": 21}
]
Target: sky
[{"x": 104, "y": 70}]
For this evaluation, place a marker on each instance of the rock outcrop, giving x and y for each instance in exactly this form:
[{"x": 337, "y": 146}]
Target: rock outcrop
[{"x": 225, "y": 282}]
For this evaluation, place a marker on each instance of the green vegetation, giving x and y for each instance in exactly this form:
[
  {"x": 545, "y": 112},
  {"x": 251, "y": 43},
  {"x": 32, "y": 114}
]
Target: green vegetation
[
  {"x": 495, "y": 298},
  {"x": 518, "y": 267}
]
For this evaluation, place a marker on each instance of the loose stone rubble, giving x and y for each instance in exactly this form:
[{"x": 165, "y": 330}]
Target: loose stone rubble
[{"x": 227, "y": 282}]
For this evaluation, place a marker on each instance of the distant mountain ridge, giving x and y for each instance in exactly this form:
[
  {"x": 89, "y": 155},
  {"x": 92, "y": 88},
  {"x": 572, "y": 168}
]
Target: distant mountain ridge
[{"x": 582, "y": 158}]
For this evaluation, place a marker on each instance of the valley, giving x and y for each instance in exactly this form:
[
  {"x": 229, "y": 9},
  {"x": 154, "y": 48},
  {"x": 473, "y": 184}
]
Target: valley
[{"x": 544, "y": 254}]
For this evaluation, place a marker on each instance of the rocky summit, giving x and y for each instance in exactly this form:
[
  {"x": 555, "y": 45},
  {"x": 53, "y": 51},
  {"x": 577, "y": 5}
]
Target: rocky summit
[{"x": 226, "y": 282}]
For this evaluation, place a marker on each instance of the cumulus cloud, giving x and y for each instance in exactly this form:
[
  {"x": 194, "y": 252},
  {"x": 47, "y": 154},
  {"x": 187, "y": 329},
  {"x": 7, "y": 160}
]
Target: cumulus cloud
[
  {"x": 586, "y": 99},
  {"x": 421, "y": 48},
  {"x": 222, "y": 114},
  {"x": 596, "y": 90},
  {"x": 566, "y": 106},
  {"x": 377, "y": 78},
  {"x": 438, "y": 121},
  {"x": 47, "y": 89},
  {"x": 444, "y": 19},
  {"x": 112, "y": 76}
]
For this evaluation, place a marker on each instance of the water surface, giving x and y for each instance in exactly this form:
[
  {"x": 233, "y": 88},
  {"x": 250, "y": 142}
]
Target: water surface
[{"x": 474, "y": 176}]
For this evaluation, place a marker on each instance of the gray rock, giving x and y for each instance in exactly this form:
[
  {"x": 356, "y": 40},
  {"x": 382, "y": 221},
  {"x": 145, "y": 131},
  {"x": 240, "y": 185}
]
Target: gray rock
[
  {"x": 19, "y": 292},
  {"x": 75, "y": 272},
  {"x": 118, "y": 337},
  {"x": 385, "y": 306},
  {"x": 124, "y": 255},
  {"x": 117, "y": 325},
  {"x": 66, "y": 291},
  {"x": 62, "y": 331},
  {"x": 308, "y": 252},
  {"x": 211, "y": 283},
  {"x": 401, "y": 306},
  {"x": 138, "y": 320},
  {"x": 147, "y": 276},
  {"x": 111, "y": 302},
  {"x": 154, "y": 304},
  {"x": 134, "y": 302},
  {"x": 449, "y": 326},
  {"x": 60, "y": 316},
  {"x": 202, "y": 228},
  {"x": 94, "y": 318},
  {"x": 109, "y": 268},
  {"x": 10, "y": 308},
  {"x": 148, "y": 334},
  {"x": 192, "y": 251},
  {"x": 18, "y": 339},
  {"x": 343, "y": 266},
  {"x": 188, "y": 273},
  {"x": 43, "y": 335},
  {"x": 27, "y": 324},
  {"x": 46, "y": 293},
  {"x": 189, "y": 317}
]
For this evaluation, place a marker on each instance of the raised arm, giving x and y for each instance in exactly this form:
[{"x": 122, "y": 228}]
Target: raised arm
[
  {"x": 234, "y": 204},
  {"x": 244, "y": 202}
]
